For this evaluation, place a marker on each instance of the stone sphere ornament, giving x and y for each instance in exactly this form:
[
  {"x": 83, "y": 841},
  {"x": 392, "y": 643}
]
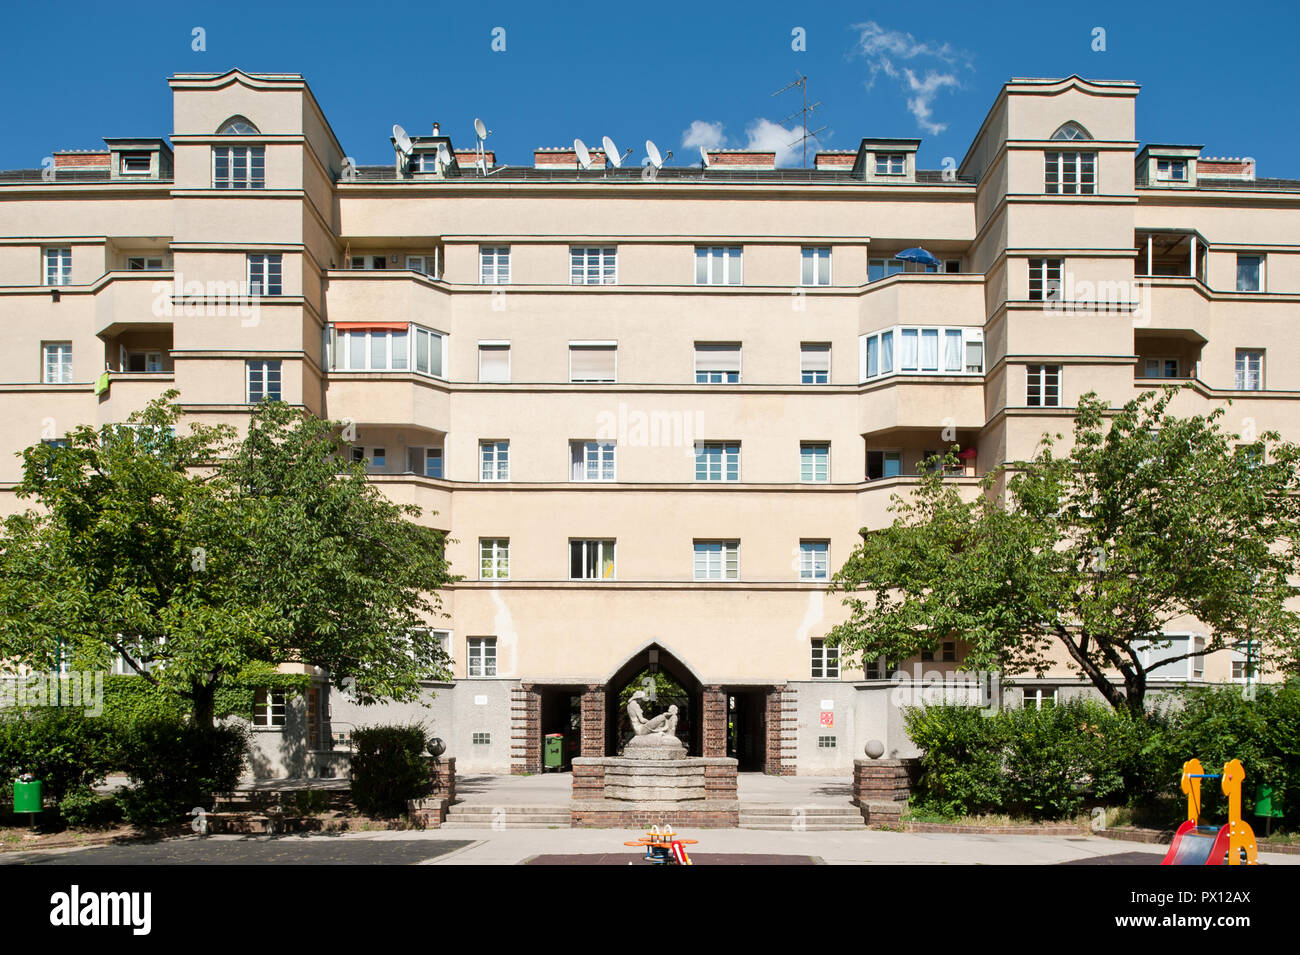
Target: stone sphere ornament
[
  {"x": 436, "y": 746},
  {"x": 874, "y": 748}
]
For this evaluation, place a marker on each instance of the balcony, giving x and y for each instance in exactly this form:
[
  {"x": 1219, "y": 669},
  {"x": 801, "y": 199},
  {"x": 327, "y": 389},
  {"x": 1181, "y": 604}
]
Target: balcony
[
  {"x": 387, "y": 295},
  {"x": 1176, "y": 253},
  {"x": 922, "y": 299},
  {"x": 138, "y": 300}
]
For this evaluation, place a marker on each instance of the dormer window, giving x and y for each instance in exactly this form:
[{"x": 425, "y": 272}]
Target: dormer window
[
  {"x": 890, "y": 164},
  {"x": 1171, "y": 170},
  {"x": 1071, "y": 131},
  {"x": 137, "y": 164}
]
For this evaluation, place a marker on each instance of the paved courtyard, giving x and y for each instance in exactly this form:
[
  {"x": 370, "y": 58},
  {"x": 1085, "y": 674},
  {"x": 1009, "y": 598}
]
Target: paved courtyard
[{"x": 552, "y": 789}]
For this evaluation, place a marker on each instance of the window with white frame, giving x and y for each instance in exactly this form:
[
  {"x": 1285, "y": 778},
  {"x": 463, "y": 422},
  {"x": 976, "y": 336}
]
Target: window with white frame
[
  {"x": 239, "y": 167},
  {"x": 814, "y": 560},
  {"x": 1250, "y": 270},
  {"x": 717, "y": 461},
  {"x": 268, "y": 707},
  {"x": 717, "y": 560},
  {"x": 815, "y": 265},
  {"x": 1160, "y": 368},
  {"x": 384, "y": 347},
  {"x": 814, "y": 363},
  {"x": 481, "y": 658},
  {"x": 1038, "y": 697},
  {"x": 890, "y": 164},
  {"x": 1198, "y": 662},
  {"x": 717, "y": 363},
  {"x": 591, "y": 461},
  {"x": 1045, "y": 280},
  {"x": 717, "y": 265},
  {"x": 1250, "y": 369},
  {"x": 1171, "y": 170},
  {"x": 494, "y": 558},
  {"x": 136, "y": 164},
  {"x": 494, "y": 361},
  {"x": 1043, "y": 389},
  {"x": 593, "y": 361},
  {"x": 1070, "y": 174},
  {"x": 263, "y": 381},
  {"x": 814, "y": 462},
  {"x": 56, "y": 360},
  {"x": 825, "y": 661},
  {"x": 921, "y": 351},
  {"x": 884, "y": 464},
  {"x": 593, "y": 265},
  {"x": 424, "y": 461},
  {"x": 264, "y": 274},
  {"x": 1170, "y": 647},
  {"x": 494, "y": 265},
  {"x": 591, "y": 560},
  {"x": 494, "y": 460},
  {"x": 419, "y": 263},
  {"x": 58, "y": 266}
]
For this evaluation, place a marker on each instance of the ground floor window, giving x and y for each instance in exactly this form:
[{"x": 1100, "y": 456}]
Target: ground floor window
[
  {"x": 1039, "y": 697},
  {"x": 825, "y": 661},
  {"x": 268, "y": 707},
  {"x": 482, "y": 656}
]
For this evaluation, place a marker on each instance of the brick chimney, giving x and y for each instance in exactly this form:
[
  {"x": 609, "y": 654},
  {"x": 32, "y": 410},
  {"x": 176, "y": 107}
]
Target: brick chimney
[
  {"x": 741, "y": 159},
  {"x": 565, "y": 157},
  {"x": 81, "y": 159},
  {"x": 835, "y": 159}
]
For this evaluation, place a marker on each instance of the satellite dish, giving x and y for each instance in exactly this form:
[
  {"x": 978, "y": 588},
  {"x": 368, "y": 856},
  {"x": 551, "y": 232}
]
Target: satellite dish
[
  {"x": 481, "y": 130},
  {"x": 584, "y": 157},
  {"x": 704, "y": 157},
  {"x": 403, "y": 141},
  {"x": 611, "y": 152},
  {"x": 652, "y": 153}
]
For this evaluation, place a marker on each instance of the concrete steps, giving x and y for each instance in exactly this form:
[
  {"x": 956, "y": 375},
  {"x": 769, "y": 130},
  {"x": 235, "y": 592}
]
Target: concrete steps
[
  {"x": 799, "y": 818},
  {"x": 465, "y": 816}
]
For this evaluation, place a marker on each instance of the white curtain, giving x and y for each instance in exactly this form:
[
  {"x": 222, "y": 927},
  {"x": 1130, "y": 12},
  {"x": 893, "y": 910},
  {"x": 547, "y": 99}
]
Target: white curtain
[
  {"x": 952, "y": 357},
  {"x": 910, "y": 356}
]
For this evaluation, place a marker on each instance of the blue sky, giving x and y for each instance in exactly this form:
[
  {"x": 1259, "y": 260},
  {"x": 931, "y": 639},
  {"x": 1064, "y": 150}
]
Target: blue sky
[{"x": 678, "y": 73}]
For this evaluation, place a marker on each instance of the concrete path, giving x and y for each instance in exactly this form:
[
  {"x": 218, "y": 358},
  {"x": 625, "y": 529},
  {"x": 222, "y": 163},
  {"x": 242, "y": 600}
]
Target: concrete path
[{"x": 553, "y": 789}]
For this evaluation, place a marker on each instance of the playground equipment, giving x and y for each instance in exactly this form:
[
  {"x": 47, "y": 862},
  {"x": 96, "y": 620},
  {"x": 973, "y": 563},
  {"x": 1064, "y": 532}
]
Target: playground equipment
[
  {"x": 663, "y": 847},
  {"x": 1195, "y": 844}
]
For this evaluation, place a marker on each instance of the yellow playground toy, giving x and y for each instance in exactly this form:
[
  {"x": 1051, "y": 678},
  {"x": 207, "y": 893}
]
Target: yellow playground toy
[{"x": 1195, "y": 844}]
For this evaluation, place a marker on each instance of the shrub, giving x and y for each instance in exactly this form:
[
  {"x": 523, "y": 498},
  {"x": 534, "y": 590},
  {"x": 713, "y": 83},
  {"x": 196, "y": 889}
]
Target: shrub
[
  {"x": 961, "y": 759},
  {"x": 175, "y": 767},
  {"x": 63, "y": 748},
  {"x": 83, "y": 808},
  {"x": 388, "y": 768},
  {"x": 310, "y": 802}
]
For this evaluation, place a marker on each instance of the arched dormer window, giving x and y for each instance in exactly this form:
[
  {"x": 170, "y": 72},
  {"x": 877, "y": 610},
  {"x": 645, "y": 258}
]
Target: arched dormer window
[
  {"x": 238, "y": 126},
  {"x": 1071, "y": 131}
]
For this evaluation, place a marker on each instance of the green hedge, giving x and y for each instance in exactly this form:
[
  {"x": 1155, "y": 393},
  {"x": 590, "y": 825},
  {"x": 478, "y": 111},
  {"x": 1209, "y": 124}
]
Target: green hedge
[
  {"x": 175, "y": 767},
  {"x": 388, "y": 768},
  {"x": 1052, "y": 763}
]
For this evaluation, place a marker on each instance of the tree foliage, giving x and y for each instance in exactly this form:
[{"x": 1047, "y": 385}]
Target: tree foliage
[{"x": 1146, "y": 520}]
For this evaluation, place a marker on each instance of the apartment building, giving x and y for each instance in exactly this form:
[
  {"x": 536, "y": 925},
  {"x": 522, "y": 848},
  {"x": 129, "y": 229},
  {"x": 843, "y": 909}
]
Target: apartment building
[{"x": 652, "y": 406}]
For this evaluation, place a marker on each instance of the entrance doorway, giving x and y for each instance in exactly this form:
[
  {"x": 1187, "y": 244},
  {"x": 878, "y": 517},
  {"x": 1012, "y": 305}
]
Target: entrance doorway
[
  {"x": 666, "y": 682},
  {"x": 747, "y": 729},
  {"x": 562, "y": 713}
]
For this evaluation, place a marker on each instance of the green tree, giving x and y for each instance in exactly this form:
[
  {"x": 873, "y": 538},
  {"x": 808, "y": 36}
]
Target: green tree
[
  {"x": 195, "y": 553},
  {"x": 1148, "y": 518}
]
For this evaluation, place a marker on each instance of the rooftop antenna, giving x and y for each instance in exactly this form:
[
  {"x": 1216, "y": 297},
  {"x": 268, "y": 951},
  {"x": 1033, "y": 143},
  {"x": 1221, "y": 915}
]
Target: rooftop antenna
[
  {"x": 481, "y": 133},
  {"x": 612, "y": 153},
  {"x": 403, "y": 142},
  {"x": 804, "y": 110},
  {"x": 584, "y": 157}
]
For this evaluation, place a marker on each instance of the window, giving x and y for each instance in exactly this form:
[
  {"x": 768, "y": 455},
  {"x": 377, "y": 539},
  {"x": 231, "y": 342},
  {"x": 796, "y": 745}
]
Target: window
[
  {"x": 591, "y": 461},
  {"x": 1249, "y": 271},
  {"x": 369, "y": 263},
  {"x": 238, "y": 126},
  {"x": 878, "y": 269},
  {"x": 58, "y": 266},
  {"x": 593, "y": 266},
  {"x": 1198, "y": 663},
  {"x": 717, "y": 560},
  {"x": 57, "y": 361},
  {"x": 428, "y": 351},
  {"x": 358, "y": 455},
  {"x": 1045, "y": 280},
  {"x": 480, "y": 739},
  {"x": 263, "y": 381},
  {"x": 239, "y": 167},
  {"x": 917, "y": 350},
  {"x": 147, "y": 362},
  {"x": 1171, "y": 170},
  {"x": 141, "y": 263},
  {"x": 825, "y": 742},
  {"x": 1070, "y": 174},
  {"x": 814, "y": 363},
  {"x": 717, "y": 364},
  {"x": 592, "y": 361},
  {"x": 877, "y": 669},
  {"x": 1071, "y": 131},
  {"x": 494, "y": 361},
  {"x": 494, "y": 456},
  {"x": 264, "y": 274},
  {"x": 384, "y": 347},
  {"x": 952, "y": 266},
  {"x": 1038, "y": 697},
  {"x": 717, "y": 265},
  {"x": 890, "y": 164},
  {"x": 417, "y": 263},
  {"x": 949, "y": 651},
  {"x": 482, "y": 662},
  {"x": 816, "y": 265},
  {"x": 591, "y": 560},
  {"x": 717, "y": 461},
  {"x": 1252, "y": 454},
  {"x": 136, "y": 164},
  {"x": 424, "y": 461},
  {"x": 1044, "y": 386},
  {"x": 378, "y": 458},
  {"x": 814, "y": 462},
  {"x": 494, "y": 558},
  {"x": 1250, "y": 370},
  {"x": 494, "y": 265},
  {"x": 884, "y": 464},
  {"x": 1160, "y": 368},
  {"x": 814, "y": 560},
  {"x": 825, "y": 661},
  {"x": 268, "y": 707}
]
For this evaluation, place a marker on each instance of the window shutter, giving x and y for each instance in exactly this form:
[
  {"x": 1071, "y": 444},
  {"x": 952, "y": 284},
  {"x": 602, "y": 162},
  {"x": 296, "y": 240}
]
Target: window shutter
[
  {"x": 717, "y": 357},
  {"x": 816, "y": 358},
  {"x": 591, "y": 362},
  {"x": 494, "y": 363}
]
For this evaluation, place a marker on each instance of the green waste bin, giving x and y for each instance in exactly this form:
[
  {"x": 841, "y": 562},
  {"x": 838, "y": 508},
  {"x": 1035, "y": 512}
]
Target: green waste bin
[
  {"x": 1267, "y": 803},
  {"x": 27, "y": 795},
  {"x": 553, "y": 751}
]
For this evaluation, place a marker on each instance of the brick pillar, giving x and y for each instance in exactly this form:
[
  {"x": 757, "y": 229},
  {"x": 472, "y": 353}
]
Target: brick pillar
[
  {"x": 714, "y": 722},
  {"x": 782, "y": 731},
  {"x": 772, "y": 725},
  {"x": 592, "y": 710},
  {"x": 525, "y": 730}
]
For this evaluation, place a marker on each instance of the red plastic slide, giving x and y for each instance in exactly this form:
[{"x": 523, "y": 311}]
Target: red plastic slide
[{"x": 1197, "y": 845}]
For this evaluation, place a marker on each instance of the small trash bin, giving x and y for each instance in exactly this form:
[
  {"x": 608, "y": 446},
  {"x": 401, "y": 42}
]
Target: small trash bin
[
  {"x": 27, "y": 795},
  {"x": 553, "y": 751},
  {"x": 1267, "y": 803}
]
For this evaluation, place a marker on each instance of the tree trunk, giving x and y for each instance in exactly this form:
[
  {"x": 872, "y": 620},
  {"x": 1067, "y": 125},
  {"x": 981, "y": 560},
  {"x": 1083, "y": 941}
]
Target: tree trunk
[{"x": 204, "y": 698}]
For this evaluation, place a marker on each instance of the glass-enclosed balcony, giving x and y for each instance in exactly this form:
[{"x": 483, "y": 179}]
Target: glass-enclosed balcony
[{"x": 386, "y": 347}]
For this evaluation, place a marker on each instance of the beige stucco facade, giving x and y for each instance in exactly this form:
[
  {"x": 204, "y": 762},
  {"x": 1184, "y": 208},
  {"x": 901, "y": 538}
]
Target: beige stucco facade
[{"x": 151, "y": 284}]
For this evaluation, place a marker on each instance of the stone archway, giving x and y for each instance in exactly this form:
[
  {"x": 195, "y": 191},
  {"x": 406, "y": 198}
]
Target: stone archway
[{"x": 684, "y": 686}]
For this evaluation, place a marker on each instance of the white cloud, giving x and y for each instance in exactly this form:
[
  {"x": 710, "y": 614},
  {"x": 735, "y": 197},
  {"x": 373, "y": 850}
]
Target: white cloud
[
  {"x": 770, "y": 137},
  {"x": 702, "y": 133},
  {"x": 889, "y": 52}
]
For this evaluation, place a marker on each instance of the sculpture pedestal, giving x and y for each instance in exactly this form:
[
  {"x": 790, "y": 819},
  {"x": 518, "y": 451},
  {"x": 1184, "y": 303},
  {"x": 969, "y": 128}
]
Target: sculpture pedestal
[{"x": 618, "y": 792}]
